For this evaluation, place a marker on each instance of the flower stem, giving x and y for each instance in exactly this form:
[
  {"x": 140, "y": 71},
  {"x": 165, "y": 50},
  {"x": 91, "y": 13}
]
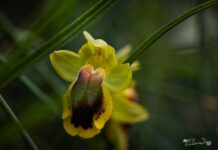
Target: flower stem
[
  {"x": 173, "y": 23},
  {"x": 11, "y": 114}
]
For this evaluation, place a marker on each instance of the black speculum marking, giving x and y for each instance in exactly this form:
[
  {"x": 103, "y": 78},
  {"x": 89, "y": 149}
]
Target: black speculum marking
[
  {"x": 83, "y": 113},
  {"x": 87, "y": 99}
]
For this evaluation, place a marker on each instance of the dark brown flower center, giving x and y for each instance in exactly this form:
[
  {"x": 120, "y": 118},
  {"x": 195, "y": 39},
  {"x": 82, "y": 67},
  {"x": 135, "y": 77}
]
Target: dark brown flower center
[{"x": 87, "y": 98}]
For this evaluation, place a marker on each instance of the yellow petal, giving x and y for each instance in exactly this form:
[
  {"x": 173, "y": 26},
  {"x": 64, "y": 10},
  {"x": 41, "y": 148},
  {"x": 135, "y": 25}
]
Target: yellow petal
[
  {"x": 73, "y": 131},
  {"x": 126, "y": 111},
  {"x": 66, "y": 63},
  {"x": 67, "y": 110},
  {"x": 135, "y": 66},
  {"x": 88, "y": 36},
  {"x": 123, "y": 53},
  {"x": 88, "y": 133},
  {"x": 94, "y": 42},
  {"x": 118, "y": 77},
  {"x": 98, "y": 53},
  {"x": 101, "y": 119},
  {"x": 70, "y": 128}
]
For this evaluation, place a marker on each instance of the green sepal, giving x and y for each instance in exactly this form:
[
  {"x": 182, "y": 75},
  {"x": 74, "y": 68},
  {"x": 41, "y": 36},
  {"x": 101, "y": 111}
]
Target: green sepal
[
  {"x": 127, "y": 111},
  {"x": 67, "y": 64},
  {"x": 118, "y": 77}
]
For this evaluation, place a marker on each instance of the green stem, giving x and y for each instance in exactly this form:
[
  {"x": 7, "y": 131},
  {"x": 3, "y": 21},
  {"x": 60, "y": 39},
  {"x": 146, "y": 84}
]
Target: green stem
[
  {"x": 8, "y": 110},
  {"x": 55, "y": 42},
  {"x": 159, "y": 33}
]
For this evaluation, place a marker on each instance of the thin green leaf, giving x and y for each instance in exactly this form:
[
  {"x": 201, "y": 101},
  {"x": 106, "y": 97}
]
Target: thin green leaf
[
  {"x": 41, "y": 95},
  {"x": 159, "y": 33},
  {"x": 7, "y": 27},
  {"x": 53, "y": 12},
  {"x": 47, "y": 20},
  {"x": 56, "y": 41},
  {"x": 44, "y": 115},
  {"x": 8, "y": 110},
  {"x": 36, "y": 90},
  {"x": 49, "y": 76}
]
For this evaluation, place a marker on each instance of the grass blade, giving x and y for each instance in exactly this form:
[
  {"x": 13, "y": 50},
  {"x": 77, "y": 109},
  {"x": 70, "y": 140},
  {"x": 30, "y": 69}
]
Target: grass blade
[
  {"x": 30, "y": 121},
  {"x": 49, "y": 17},
  {"x": 56, "y": 41},
  {"x": 41, "y": 95},
  {"x": 7, "y": 27},
  {"x": 8, "y": 110},
  {"x": 159, "y": 33},
  {"x": 36, "y": 90}
]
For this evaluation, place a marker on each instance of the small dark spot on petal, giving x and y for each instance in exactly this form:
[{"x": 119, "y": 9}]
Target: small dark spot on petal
[{"x": 99, "y": 113}]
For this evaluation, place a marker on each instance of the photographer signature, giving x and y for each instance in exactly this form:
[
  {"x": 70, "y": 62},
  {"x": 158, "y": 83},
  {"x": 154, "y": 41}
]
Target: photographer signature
[{"x": 193, "y": 141}]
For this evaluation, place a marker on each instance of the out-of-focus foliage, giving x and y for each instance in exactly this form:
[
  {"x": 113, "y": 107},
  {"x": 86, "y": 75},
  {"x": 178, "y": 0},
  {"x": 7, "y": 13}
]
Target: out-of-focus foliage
[{"x": 177, "y": 82}]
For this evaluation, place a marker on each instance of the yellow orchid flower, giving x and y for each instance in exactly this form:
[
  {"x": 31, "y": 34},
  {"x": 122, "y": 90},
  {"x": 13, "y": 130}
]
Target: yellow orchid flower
[
  {"x": 127, "y": 111},
  {"x": 94, "y": 73}
]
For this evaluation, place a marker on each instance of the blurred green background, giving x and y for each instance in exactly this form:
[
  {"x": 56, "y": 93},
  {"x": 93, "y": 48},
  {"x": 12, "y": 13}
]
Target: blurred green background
[{"x": 177, "y": 82}]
